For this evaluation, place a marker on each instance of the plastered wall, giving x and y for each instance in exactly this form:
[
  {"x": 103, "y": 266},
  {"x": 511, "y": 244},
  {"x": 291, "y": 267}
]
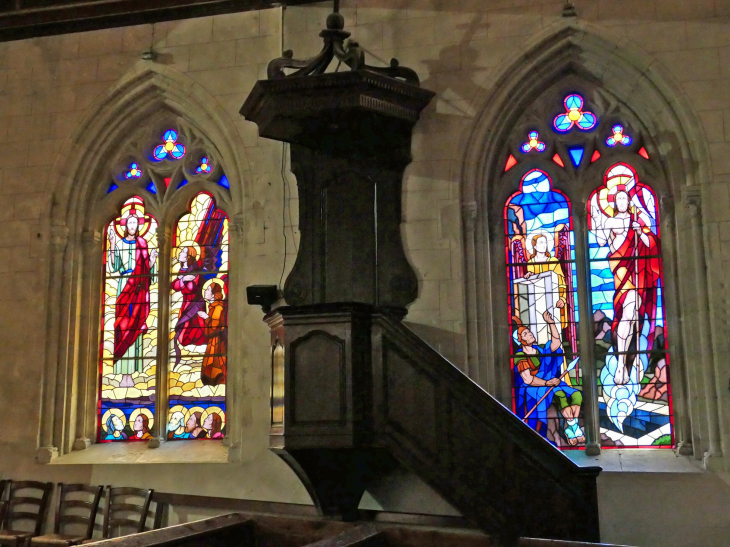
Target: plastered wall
[{"x": 459, "y": 49}]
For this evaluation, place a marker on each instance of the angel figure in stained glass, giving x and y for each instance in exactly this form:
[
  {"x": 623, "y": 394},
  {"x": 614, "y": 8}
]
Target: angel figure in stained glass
[
  {"x": 541, "y": 261},
  {"x": 623, "y": 217},
  {"x": 131, "y": 259}
]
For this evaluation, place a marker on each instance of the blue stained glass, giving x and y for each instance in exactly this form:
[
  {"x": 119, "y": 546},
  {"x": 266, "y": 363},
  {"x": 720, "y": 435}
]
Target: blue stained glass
[
  {"x": 587, "y": 121},
  {"x": 178, "y": 151},
  {"x": 627, "y": 305},
  {"x": 618, "y": 137},
  {"x": 576, "y": 155},
  {"x": 574, "y": 116},
  {"x": 134, "y": 172},
  {"x": 574, "y": 101},
  {"x": 182, "y": 183},
  {"x": 151, "y": 187},
  {"x": 563, "y": 123},
  {"x": 204, "y": 166},
  {"x": 112, "y": 188},
  {"x": 533, "y": 143},
  {"x": 224, "y": 182},
  {"x": 170, "y": 147},
  {"x": 540, "y": 249}
]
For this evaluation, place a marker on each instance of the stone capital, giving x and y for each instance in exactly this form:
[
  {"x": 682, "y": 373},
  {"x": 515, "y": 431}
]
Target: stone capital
[
  {"x": 91, "y": 238},
  {"x": 693, "y": 202},
  {"x": 236, "y": 225}
]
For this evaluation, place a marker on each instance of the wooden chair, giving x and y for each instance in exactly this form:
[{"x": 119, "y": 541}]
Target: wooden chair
[
  {"x": 121, "y": 511},
  {"x": 10, "y": 534},
  {"x": 72, "y": 511},
  {"x": 4, "y": 484}
]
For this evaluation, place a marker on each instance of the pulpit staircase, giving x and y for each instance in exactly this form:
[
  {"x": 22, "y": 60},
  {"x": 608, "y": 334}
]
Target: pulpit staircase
[{"x": 355, "y": 393}]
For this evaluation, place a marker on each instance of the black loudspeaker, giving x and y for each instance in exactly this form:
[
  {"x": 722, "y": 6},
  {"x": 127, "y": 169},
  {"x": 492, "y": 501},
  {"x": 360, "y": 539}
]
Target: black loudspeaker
[{"x": 262, "y": 295}]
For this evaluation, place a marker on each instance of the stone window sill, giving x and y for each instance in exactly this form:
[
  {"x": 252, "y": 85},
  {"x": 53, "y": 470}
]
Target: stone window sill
[
  {"x": 637, "y": 461},
  {"x": 138, "y": 453}
]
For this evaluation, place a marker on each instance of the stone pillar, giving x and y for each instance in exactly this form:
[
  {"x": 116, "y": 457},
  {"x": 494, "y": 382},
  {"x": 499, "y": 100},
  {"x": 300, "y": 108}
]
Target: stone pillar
[
  {"x": 88, "y": 354},
  {"x": 680, "y": 385},
  {"x": 159, "y": 429},
  {"x": 48, "y": 450},
  {"x": 469, "y": 214},
  {"x": 236, "y": 230},
  {"x": 586, "y": 330},
  {"x": 694, "y": 205}
]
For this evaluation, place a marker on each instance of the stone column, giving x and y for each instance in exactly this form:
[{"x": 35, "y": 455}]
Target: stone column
[
  {"x": 680, "y": 385},
  {"x": 587, "y": 338},
  {"x": 236, "y": 302},
  {"x": 694, "y": 205},
  {"x": 159, "y": 430},
  {"x": 469, "y": 214},
  {"x": 88, "y": 353},
  {"x": 59, "y": 241}
]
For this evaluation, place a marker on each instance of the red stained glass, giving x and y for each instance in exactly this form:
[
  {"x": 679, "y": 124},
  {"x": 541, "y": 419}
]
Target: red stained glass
[
  {"x": 199, "y": 323},
  {"x": 595, "y": 156},
  {"x": 627, "y": 296},
  {"x": 558, "y": 160},
  {"x": 643, "y": 153},
  {"x": 511, "y": 162},
  {"x": 128, "y": 347}
]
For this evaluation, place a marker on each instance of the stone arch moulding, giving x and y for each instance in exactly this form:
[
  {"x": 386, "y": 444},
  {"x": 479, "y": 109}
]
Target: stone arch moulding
[
  {"x": 675, "y": 138},
  {"x": 74, "y": 220}
]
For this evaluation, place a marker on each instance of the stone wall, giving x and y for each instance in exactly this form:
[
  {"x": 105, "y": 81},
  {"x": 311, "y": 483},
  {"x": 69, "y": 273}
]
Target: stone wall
[{"x": 49, "y": 87}]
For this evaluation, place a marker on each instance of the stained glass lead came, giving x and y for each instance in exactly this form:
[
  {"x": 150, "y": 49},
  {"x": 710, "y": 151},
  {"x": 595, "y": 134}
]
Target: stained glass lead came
[
  {"x": 169, "y": 147},
  {"x": 128, "y": 348},
  {"x": 543, "y": 311},
  {"x": 574, "y": 116},
  {"x": 626, "y": 284},
  {"x": 199, "y": 323}
]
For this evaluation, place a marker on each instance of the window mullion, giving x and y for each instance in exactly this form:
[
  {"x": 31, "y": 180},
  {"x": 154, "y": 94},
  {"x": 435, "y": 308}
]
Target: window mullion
[
  {"x": 163, "y": 338},
  {"x": 585, "y": 325}
]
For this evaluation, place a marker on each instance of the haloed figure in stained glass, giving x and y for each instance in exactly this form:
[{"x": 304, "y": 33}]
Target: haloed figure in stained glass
[
  {"x": 130, "y": 258},
  {"x": 214, "y": 361},
  {"x": 542, "y": 305},
  {"x": 623, "y": 217},
  {"x": 189, "y": 329}
]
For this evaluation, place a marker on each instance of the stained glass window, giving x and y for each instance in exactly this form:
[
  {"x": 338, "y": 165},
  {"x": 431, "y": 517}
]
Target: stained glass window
[
  {"x": 199, "y": 323},
  {"x": 574, "y": 116},
  {"x": 543, "y": 311},
  {"x": 129, "y": 325},
  {"x": 627, "y": 294},
  {"x": 170, "y": 147}
]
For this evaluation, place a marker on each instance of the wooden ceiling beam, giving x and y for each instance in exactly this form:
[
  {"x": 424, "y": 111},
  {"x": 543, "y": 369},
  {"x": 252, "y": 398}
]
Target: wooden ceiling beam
[{"x": 20, "y": 19}]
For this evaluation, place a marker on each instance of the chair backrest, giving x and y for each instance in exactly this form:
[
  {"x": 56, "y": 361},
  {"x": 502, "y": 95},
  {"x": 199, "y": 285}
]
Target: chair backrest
[
  {"x": 32, "y": 495},
  {"x": 4, "y": 485},
  {"x": 124, "y": 511},
  {"x": 77, "y": 504}
]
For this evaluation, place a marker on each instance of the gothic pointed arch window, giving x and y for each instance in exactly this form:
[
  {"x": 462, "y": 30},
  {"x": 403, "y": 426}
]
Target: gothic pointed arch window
[
  {"x": 603, "y": 380},
  {"x": 163, "y": 362}
]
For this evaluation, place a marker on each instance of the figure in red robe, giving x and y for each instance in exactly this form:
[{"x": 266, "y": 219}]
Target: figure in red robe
[
  {"x": 190, "y": 327},
  {"x": 635, "y": 264},
  {"x": 130, "y": 258}
]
